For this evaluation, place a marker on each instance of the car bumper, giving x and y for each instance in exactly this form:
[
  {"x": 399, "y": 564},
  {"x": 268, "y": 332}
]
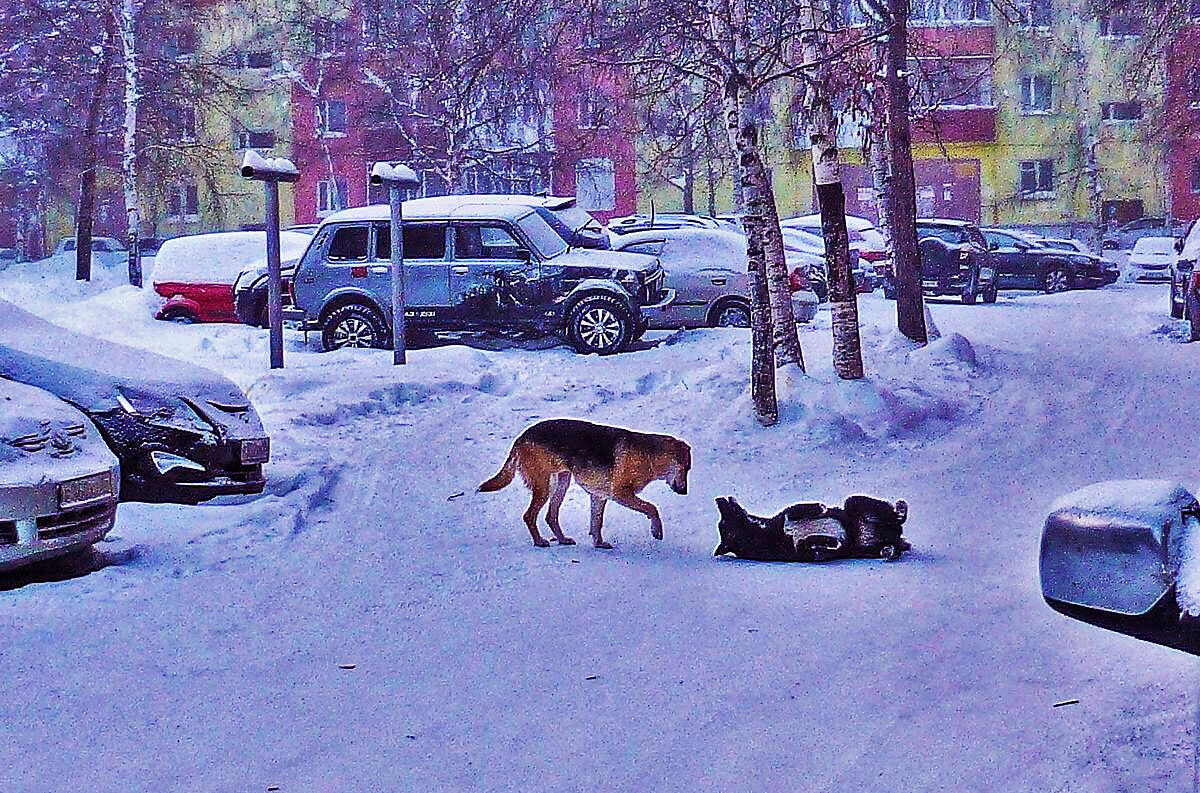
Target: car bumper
[
  {"x": 660, "y": 314},
  {"x": 1150, "y": 274},
  {"x": 36, "y": 539}
]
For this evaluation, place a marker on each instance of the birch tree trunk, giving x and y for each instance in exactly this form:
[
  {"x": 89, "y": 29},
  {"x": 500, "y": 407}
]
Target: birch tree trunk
[
  {"x": 822, "y": 125},
  {"x": 902, "y": 208},
  {"x": 126, "y": 22},
  {"x": 85, "y": 211}
]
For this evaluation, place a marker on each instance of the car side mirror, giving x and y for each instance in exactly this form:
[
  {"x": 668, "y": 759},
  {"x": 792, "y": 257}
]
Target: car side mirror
[
  {"x": 1125, "y": 556},
  {"x": 1179, "y": 241},
  {"x": 993, "y": 246}
]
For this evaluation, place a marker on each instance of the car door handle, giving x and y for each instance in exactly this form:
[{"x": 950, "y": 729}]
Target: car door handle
[
  {"x": 309, "y": 279},
  {"x": 718, "y": 282},
  {"x": 460, "y": 270}
]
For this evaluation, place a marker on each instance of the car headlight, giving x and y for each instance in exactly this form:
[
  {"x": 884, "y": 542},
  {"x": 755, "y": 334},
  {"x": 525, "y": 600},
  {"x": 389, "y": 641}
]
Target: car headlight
[
  {"x": 166, "y": 462},
  {"x": 964, "y": 255}
]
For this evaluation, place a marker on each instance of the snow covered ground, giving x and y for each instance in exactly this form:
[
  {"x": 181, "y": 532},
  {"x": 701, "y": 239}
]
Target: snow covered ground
[{"x": 372, "y": 624}]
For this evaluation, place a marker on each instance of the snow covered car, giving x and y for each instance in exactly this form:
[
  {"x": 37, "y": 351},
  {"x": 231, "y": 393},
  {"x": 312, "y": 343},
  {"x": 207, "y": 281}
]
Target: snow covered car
[
  {"x": 1127, "y": 235},
  {"x": 182, "y": 433},
  {"x": 106, "y": 252},
  {"x": 1151, "y": 259},
  {"x": 58, "y": 480},
  {"x": 1185, "y": 280},
  {"x": 707, "y": 270},
  {"x": 471, "y": 265},
  {"x": 864, "y": 238},
  {"x": 661, "y": 220},
  {"x": 1024, "y": 261},
  {"x": 1125, "y": 556},
  {"x": 811, "y": 245},
  {"x": 194, "y": 275}
]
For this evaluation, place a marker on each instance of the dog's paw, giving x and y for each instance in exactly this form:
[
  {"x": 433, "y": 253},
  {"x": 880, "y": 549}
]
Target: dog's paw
[
  {"x": 602, "y": 544},
  {"x": 656, "y": 532},
  {"x": 541, "y": 543},
  {"x": 565, "y": 541}
]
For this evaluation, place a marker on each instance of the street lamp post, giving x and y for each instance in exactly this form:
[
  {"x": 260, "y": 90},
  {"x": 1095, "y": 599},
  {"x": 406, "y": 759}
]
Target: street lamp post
[
  {"x": 271, "y": 172},
  {"x": 398, "y": 178}
]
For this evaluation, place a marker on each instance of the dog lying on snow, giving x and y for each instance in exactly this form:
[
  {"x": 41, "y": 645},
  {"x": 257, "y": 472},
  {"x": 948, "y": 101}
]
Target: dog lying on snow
[
  {"x": 812, "y": 532},
  {"x": 608, "y": 462}
]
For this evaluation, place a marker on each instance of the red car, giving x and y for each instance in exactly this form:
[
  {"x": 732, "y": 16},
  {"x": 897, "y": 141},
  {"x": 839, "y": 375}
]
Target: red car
[{"x": 194, "y": 275}]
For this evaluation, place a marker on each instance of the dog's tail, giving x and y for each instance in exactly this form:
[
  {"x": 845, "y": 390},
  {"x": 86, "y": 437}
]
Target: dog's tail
[{"x": 504, "y": 476}]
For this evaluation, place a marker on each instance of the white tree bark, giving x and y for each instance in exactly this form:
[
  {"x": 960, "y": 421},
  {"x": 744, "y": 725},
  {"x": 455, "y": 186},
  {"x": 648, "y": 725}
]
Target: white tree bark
[{"x": 127, "y": 29}]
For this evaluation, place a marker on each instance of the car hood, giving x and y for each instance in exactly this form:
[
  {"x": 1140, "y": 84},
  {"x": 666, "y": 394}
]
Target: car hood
[
  {"x": 99, "y": 376},
  {"x": 596, "y": 257},
  {"x": 42, "y": 437}
]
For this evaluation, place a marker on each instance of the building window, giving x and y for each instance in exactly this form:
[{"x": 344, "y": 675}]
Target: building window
[
  {"x": 595, "y": 184},
  {"x": 181, "y": 122},
  {"x": 1120, "y": 112},
  {"x": 1036, "y": 13},
  {"x": 331, "y": 117},
  {"x": 1037, "y": 93},
  {"x": 1037, "y": 179},
  {"x": 330, "y": 36},
  {"x": 183, "y": 203},
  {"x": 952, "y": 83},
  {"x": 254, "y": 139},
  {"x": 1196, "y": 176},
  {"x": 1121, "y": 24},
  {"x": 331, "y": 196},
  {"x": 593, "y": 110},
  {"x": 941, "y": 12},
  {"x": 258, "y": 59}
]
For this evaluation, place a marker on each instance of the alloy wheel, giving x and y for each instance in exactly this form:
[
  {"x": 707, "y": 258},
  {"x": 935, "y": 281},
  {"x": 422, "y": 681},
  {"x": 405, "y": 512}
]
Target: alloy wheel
[
  {"x": 1056, "y": 281},
  {"x": 599, "y": 328},
  {"x": 353, "y": 332}
]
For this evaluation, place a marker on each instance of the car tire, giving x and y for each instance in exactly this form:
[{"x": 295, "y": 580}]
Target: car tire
[
  {"x": 1056, "y": 280},
  {"x": 1176, "y": 306},
  {"x": 599, "y": 323},
  {"x": 354, "y": 325},
  {"x": 180, "y": 315},
  {"x": 730, "y": 314},
  {"x": 991, "y": 293}
]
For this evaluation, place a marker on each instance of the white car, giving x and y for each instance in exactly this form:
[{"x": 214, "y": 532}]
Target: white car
[
  {"x": 706, "y": 268},
  {"x": 1151, "y": 259},
  {"x": 58, "y": 479},
  {"x": 106, "y": 252},
  {"x": 864, "y": 237}
]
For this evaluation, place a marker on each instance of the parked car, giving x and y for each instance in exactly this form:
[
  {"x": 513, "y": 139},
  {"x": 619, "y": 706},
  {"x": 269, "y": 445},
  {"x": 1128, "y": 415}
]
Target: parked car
[
  {"x": 58, "y": 479},
  {"x": 707, "y": 270},
  {"x": 797, "y": 240},
  {"x": 662, "y": 220},
  {"x": 1062, "y": 244},
  {"x": 194, "y": 275},
  {"x": 1185, "y": 280},
  {"x": 106, "y": 252},
  {"x": 1024, "y": 261},
  {"x": 471, "y": 265},
  {"x": 7, "y": 256},
  {"x": 864, "y": 238},
  {"x": 955, "y": 260},
  {"x": 1126, "y": 236},
  {"x": 182, "y": 433},
  {"x": 1151, "y": 259}
]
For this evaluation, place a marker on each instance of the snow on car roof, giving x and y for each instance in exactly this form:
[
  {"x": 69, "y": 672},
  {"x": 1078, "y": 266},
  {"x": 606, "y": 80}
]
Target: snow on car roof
[
  {"x": 482, "y": 207},
  {"x": 814, "y": 221},
  {"x": 218, "y": 258},
  {"x": 1155, "y": 245}
]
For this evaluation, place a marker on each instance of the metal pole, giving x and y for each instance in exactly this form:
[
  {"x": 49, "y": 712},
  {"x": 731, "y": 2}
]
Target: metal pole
[
  {"x": 274, "y": 286},
  {"x": 395, "y": 200}
]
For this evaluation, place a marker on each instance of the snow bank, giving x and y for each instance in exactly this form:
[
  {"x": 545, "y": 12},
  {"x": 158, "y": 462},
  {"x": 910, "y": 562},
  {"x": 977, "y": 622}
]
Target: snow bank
[{"x": 220, "y": 257}]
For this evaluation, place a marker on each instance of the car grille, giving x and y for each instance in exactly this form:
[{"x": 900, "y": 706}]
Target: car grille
[
  {"x": 74, "y": 521},
  {"x": 36, "y": 441},
  {"x": 652, "y": 288}
]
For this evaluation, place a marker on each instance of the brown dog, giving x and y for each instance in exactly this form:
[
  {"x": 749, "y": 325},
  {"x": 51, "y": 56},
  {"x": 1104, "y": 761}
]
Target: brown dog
[{"x": 608, "y": 462}]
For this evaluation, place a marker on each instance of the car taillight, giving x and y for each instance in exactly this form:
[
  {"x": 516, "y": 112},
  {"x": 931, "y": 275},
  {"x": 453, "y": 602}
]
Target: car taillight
[
  {"x": 873, "y": 256},
  {"x": 1196, "y": 281},
  {"x": 798, "y": 281}
]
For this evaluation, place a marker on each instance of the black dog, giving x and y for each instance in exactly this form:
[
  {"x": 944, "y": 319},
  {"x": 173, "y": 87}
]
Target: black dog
[{"x": 812, "y": 532}]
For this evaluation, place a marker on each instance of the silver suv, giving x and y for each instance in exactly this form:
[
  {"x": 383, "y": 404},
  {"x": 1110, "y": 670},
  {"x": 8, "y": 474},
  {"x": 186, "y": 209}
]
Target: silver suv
[{"x": 468, "y": 265}]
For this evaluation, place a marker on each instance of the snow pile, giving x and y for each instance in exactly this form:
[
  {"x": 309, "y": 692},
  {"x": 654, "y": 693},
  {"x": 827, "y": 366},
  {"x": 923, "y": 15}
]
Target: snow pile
[{"x": 220, "y": 257}]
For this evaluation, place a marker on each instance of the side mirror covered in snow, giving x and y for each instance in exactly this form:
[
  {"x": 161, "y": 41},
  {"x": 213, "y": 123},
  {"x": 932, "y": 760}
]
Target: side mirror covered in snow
[{"x": 1125, "y": 556}]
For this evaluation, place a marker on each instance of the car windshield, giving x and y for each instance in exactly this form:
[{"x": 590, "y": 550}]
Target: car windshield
[
  {"x": 545, "y": 239},
  {"x": 578, "y": 219},
  {"x": 1061, "y": 245},
  {"x": 945, "y": 234}
]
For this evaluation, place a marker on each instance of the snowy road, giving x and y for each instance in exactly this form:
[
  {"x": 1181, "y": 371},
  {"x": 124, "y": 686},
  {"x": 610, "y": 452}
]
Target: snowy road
[{"x": 208, "y": 655}]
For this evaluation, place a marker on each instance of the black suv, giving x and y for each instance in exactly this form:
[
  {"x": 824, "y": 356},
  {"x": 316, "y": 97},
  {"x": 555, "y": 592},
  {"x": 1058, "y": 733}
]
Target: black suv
[
  {"x": 954, "y": 261},
  {"x": 1026, "y": 262}
]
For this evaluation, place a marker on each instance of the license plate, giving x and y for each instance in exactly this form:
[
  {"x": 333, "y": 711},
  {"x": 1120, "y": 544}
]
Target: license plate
[
  {"x": 929, "y": 283},
  {"x": 85, "y": 489},
  {"x": 255, "y": 450}
]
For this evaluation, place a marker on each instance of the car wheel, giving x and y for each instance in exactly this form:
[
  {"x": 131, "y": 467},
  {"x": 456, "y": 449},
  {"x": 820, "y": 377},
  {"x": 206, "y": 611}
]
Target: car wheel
[
  {"x": 354, "y": 325},
  {"x": 1056, "y": 280},
  {"x": 600, "y": 324},
  {"x": 179, "y": 315},
  {"x": 1176, "y": 306},
  {"x": 991, "y": 293},
  {"x": 731, "y": 314}
]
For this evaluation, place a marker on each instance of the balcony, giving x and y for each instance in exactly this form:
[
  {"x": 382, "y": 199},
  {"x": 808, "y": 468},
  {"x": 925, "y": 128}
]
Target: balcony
[{"x": 974, "y": 124}]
